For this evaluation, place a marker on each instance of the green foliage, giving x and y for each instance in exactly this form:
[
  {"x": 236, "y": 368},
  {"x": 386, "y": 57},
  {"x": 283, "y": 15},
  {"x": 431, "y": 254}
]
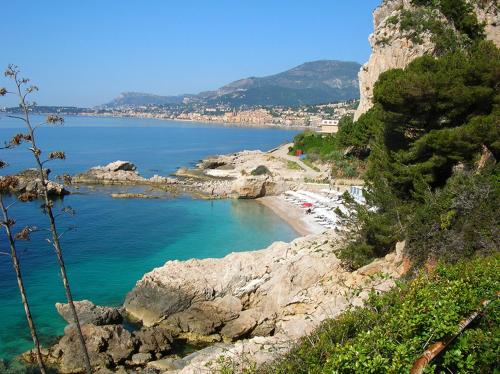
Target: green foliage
[
  {"x": 436, "y": 114},
  {"x": 260, "y": 170},
  {"x": 419, "y": 22},
  {"x": 310, "y": 142},
  {"x": 459, "y": 220},
  {"x": 356, "y": 254},
  {"x": 358, "y": 135},
  {"x": 327, "y": 148},
  {"x": 393, "y": 329},
  {"x": 460, "y": 13},
  {"x": 372, "y": 233},
  {"x": 430, "y": 120},
  {"x": 460, "y": 30},
  {"x": 292, "y": 165}
]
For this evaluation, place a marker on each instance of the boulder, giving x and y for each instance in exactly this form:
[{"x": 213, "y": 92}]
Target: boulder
[
  {"x": 56, "y": 189},
  {"x": 118, "y": 172},
  {"x": 241, "y": 326},
  {"x": 107, "y": 346},
  {"x": 90, "y": 313},
  {"x": 153, "y": 340},
  {"x": 250, "y": 187},
  {"x": 29, "y": 181},
  {"x": 141, "y": 358},
  {"x": 120, "y": 166}
]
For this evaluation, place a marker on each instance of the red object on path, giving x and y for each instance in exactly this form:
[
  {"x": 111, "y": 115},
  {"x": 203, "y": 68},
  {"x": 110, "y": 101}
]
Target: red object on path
[
  {"x": 298, "y": 152},
  {"x": 307, "y": 205}
]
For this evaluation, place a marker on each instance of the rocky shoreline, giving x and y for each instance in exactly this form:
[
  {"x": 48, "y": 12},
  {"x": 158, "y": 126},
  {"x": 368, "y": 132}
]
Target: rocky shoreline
[
  {"x": 247, "y": 307},
  {"x": 247, "y": 304},
  {"x": 243, "y": 175}
]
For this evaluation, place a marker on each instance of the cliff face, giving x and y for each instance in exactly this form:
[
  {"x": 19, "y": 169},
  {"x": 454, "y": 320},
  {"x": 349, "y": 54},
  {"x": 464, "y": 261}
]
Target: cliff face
[
  {"x": 394, "y": 48},
  {"x": 488, "y": 13}
]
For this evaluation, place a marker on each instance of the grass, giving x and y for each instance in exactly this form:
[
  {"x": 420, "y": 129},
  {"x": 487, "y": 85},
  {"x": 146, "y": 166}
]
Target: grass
[
  {"x": 292, "y": 165},
  {"x": 309, "y": 163}
]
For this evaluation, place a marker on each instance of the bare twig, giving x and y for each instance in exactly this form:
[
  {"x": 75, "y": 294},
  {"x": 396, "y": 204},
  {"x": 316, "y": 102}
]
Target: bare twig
[{"x": 20, "y": 284}]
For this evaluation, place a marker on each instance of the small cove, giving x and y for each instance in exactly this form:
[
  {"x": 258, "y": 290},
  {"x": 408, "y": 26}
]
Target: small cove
[{"x": 113, "y": 242}]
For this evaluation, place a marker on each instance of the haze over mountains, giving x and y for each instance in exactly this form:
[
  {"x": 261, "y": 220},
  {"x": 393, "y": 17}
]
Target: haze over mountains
[{"x": 310, "y": 83}]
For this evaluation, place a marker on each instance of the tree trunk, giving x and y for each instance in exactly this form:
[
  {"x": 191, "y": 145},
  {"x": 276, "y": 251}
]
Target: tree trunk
[
  {"x": 69, "y": 297},
  {"x": 60, "y": 259},
  {"x": 22, "y": 290}
]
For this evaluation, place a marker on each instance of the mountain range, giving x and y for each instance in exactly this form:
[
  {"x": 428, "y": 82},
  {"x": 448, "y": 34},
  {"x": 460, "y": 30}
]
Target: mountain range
[{"x": 310, "y": 83}]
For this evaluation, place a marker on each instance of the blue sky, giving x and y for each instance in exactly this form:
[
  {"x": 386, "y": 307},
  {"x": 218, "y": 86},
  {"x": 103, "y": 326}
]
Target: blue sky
[{"x": 84, "y": 53}]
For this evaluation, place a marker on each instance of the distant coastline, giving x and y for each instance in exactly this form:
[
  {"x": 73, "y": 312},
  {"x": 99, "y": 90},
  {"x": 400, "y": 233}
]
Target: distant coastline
[{"x": 228, "y": 124}]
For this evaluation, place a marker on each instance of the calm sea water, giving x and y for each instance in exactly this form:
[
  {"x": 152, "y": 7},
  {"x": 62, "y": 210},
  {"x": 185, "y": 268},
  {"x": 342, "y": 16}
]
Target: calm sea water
[{"x": 113, "y": 242}]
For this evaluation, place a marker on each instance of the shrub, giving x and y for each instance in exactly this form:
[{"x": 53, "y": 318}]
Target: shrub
[
  {"x": 292, "y": 165},
  {"x": 260, "y": 170},
  {"x": 357, "y": 254},
  {"x": 393, "y": 329},
  {"x": 459, "y": 220},
  {"x": 311, "y": 142},
  {"x": 460, "y": 13}
]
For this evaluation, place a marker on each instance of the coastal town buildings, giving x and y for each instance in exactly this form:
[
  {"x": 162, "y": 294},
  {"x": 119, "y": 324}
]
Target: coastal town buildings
[{"x": 322, "y": 117}]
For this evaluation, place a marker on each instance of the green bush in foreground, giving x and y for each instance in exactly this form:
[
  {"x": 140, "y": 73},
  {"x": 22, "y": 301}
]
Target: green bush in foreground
[
  {"x": 393, "y": 329},
  {"x": 260, "y": 170}
]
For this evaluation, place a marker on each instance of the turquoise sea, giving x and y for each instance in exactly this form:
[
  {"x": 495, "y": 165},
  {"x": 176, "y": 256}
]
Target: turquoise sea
[{"x": 113, "y": 242}]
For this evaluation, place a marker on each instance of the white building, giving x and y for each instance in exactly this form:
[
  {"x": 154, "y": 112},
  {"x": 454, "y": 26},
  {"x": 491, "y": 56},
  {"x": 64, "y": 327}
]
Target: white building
[{"x": 329, "y": 126}]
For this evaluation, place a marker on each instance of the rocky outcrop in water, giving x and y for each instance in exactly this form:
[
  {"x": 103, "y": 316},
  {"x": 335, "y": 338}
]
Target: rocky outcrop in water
[
  {"x": 119, "y": 173},
  {"x": 29, "y": 181},
  {"x": 394, "y": 48},
  {"x": 111, "y": 348},
  {"x": 107, "y": 346},
  {"x": 234, "y": 175},
  {"x": 249, "y": 306},
  {"x": 133, "y": 196},
  {"x": 90, "y": 313}
]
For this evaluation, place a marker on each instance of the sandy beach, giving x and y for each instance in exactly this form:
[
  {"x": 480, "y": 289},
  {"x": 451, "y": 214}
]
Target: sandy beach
[{"x": 295, "y": 216}]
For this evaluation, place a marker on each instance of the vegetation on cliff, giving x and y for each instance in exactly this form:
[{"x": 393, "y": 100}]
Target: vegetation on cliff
[
  {"x": 393, "y": 329},
  {"x": 431, "y": 144},
  {"x": 329, "y": 149},
  {"x": 431, "y": 126},
  {"x": 450, "y": 25}
]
